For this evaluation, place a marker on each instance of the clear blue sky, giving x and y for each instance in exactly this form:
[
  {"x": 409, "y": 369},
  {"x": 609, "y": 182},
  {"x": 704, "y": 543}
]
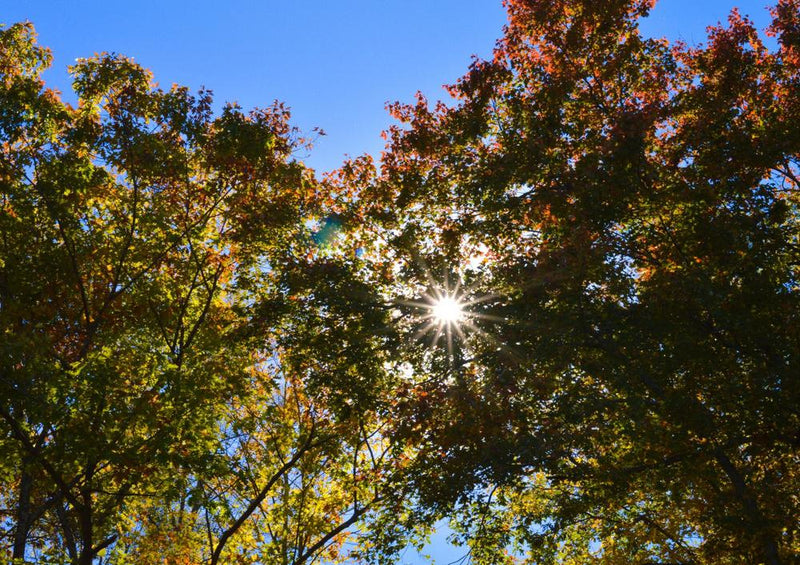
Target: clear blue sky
[{"x": 335, "y": 63}]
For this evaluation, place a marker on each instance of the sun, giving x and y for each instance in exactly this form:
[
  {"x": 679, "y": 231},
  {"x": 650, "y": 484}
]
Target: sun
[
  {"x": 443, "y": 313},
  {"x": 447, "y": 310},
  {"x": 450, "y": 316}
]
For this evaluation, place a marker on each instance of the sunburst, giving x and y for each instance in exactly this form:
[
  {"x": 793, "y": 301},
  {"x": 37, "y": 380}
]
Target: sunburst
[
  {"x": 447, "y": 310},
  {"x": 447, "y": 315}
]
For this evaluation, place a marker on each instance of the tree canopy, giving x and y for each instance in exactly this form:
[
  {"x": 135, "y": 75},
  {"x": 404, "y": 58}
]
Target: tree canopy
[
  {"x": 561, "y": 312},
  {"x": 178, "y": 364}
]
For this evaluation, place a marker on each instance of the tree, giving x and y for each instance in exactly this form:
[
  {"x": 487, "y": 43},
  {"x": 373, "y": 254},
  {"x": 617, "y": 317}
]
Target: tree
[
  {"x": 562, "y": 312},
  {"x": 183, "y": 376},
  {"x": 619, "y": 219}
]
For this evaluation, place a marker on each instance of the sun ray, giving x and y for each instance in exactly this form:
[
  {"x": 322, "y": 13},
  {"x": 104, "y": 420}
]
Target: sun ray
[
  {"x": 415, "y": 303},
  {"x": 450, "y": 345},
  {"x": 488, "y": 317},
  {"x": 439, "y": 331},
  {"x": 480, "y": 299},
  {"x": 459, "y": 332},
  {"x": 425, "y": 329}
]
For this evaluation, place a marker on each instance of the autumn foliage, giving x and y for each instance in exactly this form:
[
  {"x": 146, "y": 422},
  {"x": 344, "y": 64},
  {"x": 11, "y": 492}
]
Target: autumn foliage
[{"x": 211, "y": 356}]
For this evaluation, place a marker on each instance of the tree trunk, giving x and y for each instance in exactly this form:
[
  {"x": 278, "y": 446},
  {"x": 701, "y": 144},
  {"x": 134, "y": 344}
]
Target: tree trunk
[
  {"x": 769, "y": 547},
  {"x": 69, "y": 537},
  {"x": 87, "y": 555},
  {"x": 23, "y": 513},
  {"x": 85, "y": 520}
]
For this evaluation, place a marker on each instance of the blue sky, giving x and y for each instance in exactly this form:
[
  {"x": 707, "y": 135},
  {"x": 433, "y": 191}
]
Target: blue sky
[{"x": 336, "y": 64}]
